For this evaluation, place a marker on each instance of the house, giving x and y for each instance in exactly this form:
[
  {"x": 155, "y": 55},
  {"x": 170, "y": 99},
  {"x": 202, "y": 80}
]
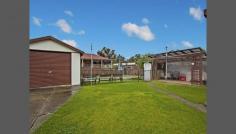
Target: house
[
  {"x": 97, "y": 61},
  {"x": 53, "y": 63},
  {"x": 128, "y": 64},
  {"x": 100, "y": 65},
  {"x": 129, "y": 68},
  {"x": 186, "y": 65}
]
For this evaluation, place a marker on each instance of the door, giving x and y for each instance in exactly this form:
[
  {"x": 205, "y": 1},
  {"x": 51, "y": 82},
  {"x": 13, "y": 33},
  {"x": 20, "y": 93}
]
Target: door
[{"x": 49, "y": 68}]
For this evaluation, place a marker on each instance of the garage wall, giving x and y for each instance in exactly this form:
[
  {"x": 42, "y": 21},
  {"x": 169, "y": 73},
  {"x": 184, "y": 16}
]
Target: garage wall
[{"x": 75, "y": 69}]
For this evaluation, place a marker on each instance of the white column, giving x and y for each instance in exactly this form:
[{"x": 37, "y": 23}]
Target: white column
[{"x": 75, "y": 69}]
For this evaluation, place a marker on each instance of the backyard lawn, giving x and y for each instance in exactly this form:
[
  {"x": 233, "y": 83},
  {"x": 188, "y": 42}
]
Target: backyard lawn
[
  {"x": 196, "y": 94},
  {"x": 124, "y": 108}
]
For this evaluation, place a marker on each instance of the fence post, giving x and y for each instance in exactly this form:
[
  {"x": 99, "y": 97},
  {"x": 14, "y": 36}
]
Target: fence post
[{"x": 138, "y": 74}]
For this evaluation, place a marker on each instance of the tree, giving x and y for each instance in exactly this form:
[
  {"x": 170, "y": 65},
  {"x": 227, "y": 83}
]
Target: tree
[
  {"x": 144, "y": 58},
  {"x": 107, "y": 52},
  {"x": 120, "y": 58},
  {"x": 134, "y": 58},
  {"x": 140, "y": 59}
]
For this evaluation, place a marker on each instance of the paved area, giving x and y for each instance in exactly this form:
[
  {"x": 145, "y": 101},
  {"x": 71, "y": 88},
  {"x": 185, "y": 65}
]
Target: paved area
[
  {"x": 43, "y": 102},
  {"x": 199, "y": 107}
]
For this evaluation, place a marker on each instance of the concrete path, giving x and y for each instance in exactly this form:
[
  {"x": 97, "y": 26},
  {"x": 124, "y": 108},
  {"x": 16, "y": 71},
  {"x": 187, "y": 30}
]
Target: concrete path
[
  {"x": 43, "y": 102},
  {"x": 199, "y": 107}
]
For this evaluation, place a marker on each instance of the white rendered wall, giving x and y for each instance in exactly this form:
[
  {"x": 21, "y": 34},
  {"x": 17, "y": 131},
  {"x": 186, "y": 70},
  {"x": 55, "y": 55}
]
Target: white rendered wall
[
  {"x": 182, "y": 67},
  {"x": 185, "y": 68},
  {"x": 49, "y": 46},
  {"x": 75, "y": 69}
]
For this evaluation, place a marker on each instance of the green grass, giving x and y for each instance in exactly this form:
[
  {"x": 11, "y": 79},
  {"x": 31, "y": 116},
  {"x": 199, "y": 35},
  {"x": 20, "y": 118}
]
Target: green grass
[
  {"x": 123, "y": 108},
  {"x": 194, "y": 93}
]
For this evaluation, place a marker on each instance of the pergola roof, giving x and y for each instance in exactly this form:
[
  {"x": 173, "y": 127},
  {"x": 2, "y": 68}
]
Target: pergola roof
[{"x": 184, "y": 52}]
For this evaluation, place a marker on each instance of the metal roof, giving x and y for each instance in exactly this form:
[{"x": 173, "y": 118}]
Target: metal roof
[
  {"x": 94, "y": 57},
  {"x": 184, "y": 52}
]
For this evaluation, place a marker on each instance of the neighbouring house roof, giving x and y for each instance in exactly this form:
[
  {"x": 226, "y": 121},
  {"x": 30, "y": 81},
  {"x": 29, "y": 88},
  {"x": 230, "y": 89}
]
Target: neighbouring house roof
[
  {"x": 94, "y": 57},
  {"x": 46, "y": 38}
]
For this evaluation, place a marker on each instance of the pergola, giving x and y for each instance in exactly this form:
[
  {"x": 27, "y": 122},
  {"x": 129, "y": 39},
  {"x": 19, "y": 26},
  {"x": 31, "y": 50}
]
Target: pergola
[{"x": 194, "y": 55}]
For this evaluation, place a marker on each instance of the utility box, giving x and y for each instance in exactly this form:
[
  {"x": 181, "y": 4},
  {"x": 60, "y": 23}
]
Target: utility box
[{"x": 147, "y": 71}]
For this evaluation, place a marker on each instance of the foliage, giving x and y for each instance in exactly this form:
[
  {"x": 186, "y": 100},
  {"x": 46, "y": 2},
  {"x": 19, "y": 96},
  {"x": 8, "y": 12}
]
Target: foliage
[
  {"x": 134, "y": 58},
  {"x": 109, "y": 53},
  {"x": 120, "y": 58},
  {"x": 140, "y": 59}
]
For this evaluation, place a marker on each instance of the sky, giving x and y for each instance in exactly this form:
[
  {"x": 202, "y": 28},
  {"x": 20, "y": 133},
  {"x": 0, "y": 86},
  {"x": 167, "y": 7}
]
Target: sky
[{"x": 127, "y": 26}]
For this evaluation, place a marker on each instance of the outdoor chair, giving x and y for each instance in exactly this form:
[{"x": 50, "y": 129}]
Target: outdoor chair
[
  {"x": 175, "y": 75},
  {"x": 104, "y": 78},
  {"x": 117, "y": 77},
  {"x": 89, "y": 79}
]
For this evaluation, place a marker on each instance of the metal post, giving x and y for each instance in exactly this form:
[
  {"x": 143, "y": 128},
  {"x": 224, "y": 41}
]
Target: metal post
[
  {"x": 82, "y": 63},
  {"x": 166, "y": 64},
  {"x": 91, "y": 66},
  {"x": 101, "y": 64},
  {"x": 111, "y": 63}
]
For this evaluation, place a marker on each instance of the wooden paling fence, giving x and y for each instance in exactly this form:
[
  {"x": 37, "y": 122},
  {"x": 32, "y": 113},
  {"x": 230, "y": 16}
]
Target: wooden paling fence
[
  {"x": 135, "y": 71},
  {"x": 99, "y": 71}
]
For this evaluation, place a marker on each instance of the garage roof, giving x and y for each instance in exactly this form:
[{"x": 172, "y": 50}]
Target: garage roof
[{"x": 35, "y": 40}]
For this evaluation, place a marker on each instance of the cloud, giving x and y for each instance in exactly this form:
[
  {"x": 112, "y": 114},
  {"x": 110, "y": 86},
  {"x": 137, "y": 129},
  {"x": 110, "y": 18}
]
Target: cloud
[
  {"x": 64, "y": 26},
  {"x": 196, "y": 13},
  {"x": 142, "y": 32},
  {"x": 71, "y": 42},
  {"x": 69, "y": 13},
  {"x": 145, "y": 21},
  {"x": 187, "y": 44},
  {"x": 166, "y": 26},
  {"x": 172, "y": 46},
  {"x": 37, "y": 21},
  {"x": 82, "y": 32}
]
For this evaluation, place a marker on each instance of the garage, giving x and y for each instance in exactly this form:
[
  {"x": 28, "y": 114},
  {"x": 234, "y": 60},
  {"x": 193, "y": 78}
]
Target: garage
[{"x": 53, "y": 63}]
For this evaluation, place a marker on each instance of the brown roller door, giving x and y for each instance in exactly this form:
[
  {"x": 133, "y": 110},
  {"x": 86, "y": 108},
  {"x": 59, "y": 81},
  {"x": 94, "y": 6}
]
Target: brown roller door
[{"x": 49, "y": 68}]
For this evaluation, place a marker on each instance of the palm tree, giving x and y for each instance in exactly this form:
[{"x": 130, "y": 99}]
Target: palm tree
[{"x": 107, "y": 52}]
